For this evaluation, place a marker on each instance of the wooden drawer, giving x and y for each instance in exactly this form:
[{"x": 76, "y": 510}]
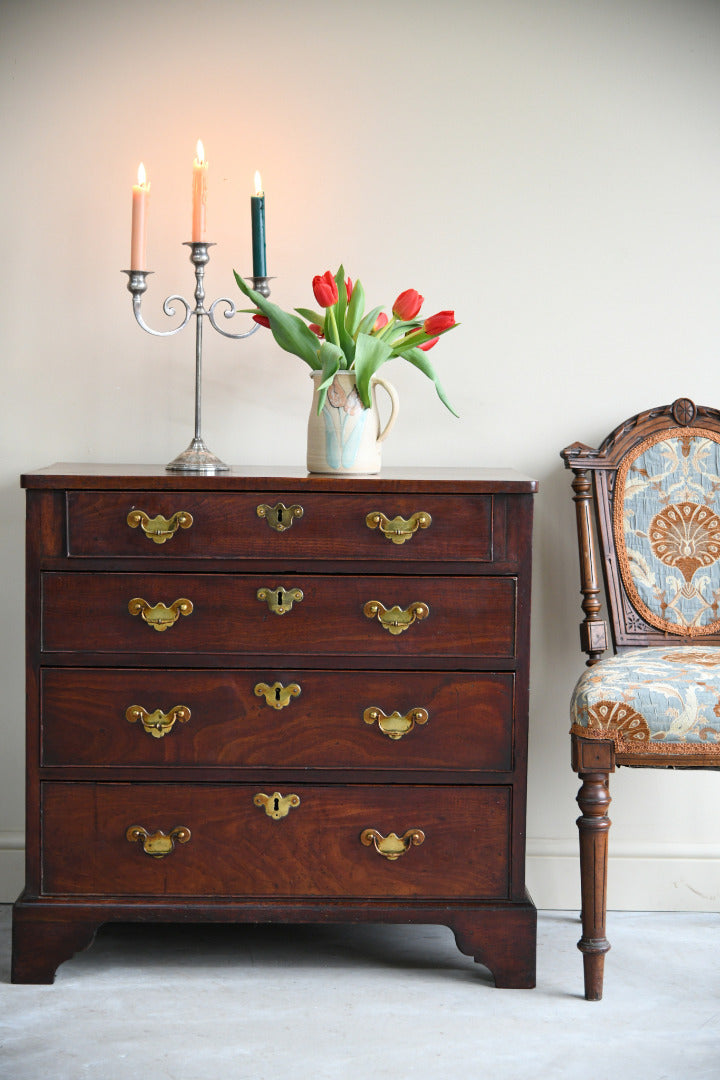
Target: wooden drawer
[
  {"x": 236, "y": 849},
  {"x": 468, "y": 722},
  {"x": 228, "y": 526},
  {"x": 468, "y": 616}
]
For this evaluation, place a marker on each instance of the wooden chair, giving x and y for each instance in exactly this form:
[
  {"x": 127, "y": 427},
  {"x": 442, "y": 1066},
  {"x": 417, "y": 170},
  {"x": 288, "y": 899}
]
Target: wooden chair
[{"x": 655, "y": 486}]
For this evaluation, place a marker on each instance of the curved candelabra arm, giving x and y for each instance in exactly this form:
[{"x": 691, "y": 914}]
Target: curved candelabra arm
[
  {"x": 197, "y": 458},
  {"x": 228, "y": 314},
  {"x": 137, "y": 286}
]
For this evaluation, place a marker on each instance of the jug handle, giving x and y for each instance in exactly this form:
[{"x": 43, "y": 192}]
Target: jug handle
[{"x": 394, "y": 403}]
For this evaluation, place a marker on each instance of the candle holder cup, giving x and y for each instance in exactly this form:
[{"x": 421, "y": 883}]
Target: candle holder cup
[{"x": 197, "y": 458}]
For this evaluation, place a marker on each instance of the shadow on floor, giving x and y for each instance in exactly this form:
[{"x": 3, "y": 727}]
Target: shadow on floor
[{"x": 130, "y": 947}]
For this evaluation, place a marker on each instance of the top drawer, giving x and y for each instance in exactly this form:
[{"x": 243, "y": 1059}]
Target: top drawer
[{"x": 262, "y": 525}]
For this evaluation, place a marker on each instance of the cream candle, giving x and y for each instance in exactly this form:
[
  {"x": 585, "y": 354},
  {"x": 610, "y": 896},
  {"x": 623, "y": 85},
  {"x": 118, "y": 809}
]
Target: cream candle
[
  {"x": 138, "y": 233},
  {"x": 199, "y": 194}
]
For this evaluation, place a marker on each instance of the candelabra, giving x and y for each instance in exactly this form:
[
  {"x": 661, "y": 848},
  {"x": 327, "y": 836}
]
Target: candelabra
[{"x": 197, "y": 458}]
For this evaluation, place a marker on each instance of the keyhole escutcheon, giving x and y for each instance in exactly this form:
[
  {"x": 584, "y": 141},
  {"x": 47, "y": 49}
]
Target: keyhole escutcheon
[
  {"x": 277, "y": 696},
  {"x": 280, "y": 517},
  {"x": 280, "y": 600},
  {"x": 276, "y": 806}
]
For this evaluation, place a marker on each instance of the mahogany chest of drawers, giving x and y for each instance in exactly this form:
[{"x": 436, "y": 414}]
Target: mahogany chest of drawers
[{"x": 284, "y": 698}]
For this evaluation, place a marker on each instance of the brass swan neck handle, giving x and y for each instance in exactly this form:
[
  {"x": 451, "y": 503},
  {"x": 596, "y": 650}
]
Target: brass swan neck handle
[
  {"x": 392, "y": 846},
  {"x": 396, "y": 620},
  {"x": 158, "y": 615},
  {"x": 158, "y": 844},
  {"x": 398, "y": 529},
  {"x": 159, "y": 529}
]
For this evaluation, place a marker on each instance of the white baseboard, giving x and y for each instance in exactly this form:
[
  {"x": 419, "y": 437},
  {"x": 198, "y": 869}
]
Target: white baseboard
[
  {"x": 641, "y": 877},
  {"x": 647, "y": 877},
  {"x": 12, "y": 866}
]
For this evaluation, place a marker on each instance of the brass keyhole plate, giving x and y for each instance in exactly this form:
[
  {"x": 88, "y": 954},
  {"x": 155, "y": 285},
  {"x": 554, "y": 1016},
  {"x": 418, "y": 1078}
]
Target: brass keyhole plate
[{"x": 276, "y": 806}]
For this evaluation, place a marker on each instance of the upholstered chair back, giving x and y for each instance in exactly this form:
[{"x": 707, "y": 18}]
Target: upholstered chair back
[
  {"x": 655, "y": 486},
  {"x": 666, "y": 512}
]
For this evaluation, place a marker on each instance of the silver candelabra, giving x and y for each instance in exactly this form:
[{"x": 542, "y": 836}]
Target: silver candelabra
[{"x": 197, "y": 458}]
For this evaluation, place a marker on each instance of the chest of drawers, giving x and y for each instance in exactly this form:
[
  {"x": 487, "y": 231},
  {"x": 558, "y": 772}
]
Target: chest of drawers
[{"x": 277, "y": 697}]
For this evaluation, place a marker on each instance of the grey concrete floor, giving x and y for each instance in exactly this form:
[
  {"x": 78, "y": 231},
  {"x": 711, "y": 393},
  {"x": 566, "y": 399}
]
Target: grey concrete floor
[{"x": 370, "y": 1002}]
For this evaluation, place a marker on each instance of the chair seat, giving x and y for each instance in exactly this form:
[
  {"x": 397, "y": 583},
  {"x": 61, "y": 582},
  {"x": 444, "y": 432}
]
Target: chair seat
[{"x": 660, "y": 700}]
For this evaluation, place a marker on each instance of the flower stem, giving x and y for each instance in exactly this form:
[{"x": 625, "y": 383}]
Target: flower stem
[{"x": 411, "y": 340}]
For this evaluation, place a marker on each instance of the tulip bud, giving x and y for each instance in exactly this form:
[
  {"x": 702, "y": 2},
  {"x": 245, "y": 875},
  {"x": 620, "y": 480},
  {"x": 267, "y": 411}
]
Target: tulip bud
[
  {"x": 349, "y": 288},
  {"x": 262, "y": 320},
  {"x": 325, "y": 289},
  {"x": 382, "y": 320},
  {"x": 443, "y": 320},
  {"x": 407, "y": 305},
  {"x": 317, "y": 329},
  {"x": 429, "y": 344}
]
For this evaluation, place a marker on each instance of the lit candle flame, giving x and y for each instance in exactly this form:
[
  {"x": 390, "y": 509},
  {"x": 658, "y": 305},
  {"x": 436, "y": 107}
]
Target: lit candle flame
[
  {"x": 141, "y": 175},
  {"x": 258, "y": 183},
  {"x": 200, "y": 151}
]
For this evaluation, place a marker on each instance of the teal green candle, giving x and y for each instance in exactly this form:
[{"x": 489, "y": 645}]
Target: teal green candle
[{"x": 257, "y": 214}]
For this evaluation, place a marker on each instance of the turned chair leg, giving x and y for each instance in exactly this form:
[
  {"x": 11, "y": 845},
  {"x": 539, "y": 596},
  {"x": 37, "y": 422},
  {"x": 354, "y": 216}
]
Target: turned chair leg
[{"x": 593, "y": 799}]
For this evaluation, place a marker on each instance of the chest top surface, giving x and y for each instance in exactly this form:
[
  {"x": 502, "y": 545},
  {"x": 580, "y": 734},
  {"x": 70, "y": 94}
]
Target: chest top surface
[{"x": 412, "y": 478}]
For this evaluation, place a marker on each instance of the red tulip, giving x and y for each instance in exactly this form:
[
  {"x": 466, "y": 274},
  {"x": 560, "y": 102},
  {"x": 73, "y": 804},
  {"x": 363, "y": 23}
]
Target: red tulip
[
  {"x": 325, "y": 289},
  {"x": 317, "y": 329},
  {"x": 443, "y": 320},
  {"x": 429, "y": 344},
  {"x": 382, "y": 320},
  {"x": 262, "y": 320},
  {"x": 407, "y": 305},
  {"x": 349, "y": 287}
]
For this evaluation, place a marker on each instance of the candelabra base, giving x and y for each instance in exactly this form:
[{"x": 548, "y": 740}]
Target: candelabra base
[{"x": 197, "y": 459}]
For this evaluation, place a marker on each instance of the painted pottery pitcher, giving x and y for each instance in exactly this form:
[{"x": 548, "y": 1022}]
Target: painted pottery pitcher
[{"x": 346, "y": 437}]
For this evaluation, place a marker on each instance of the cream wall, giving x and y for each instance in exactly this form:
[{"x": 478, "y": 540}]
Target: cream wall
[{"x": 550, "y": 170}]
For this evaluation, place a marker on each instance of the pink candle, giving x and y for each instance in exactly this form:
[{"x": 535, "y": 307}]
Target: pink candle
[
  {"x": 138, "y": 236},
  {"x": 199, "y": 194}
]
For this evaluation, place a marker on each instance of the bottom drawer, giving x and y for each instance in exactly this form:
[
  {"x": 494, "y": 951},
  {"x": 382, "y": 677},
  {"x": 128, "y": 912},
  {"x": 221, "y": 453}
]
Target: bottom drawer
[{"x": 222, "y": 842}]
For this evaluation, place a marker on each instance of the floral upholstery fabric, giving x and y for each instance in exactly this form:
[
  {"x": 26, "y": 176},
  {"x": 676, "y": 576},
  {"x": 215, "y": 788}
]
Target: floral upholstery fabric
[
  {"x": 657, "y": 700},
  {"x": 667, "y": 531}
]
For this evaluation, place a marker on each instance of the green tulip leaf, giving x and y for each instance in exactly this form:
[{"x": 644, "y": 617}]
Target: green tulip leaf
[
  {"x": 341, "y": 302},
  {"x": 355, "y": 309},
  {"x": 344, "y": 339},
  {"x": 290, "y": 332},
  {"x": 342, "y": 294},
  {"x": 311, "y": 316},
  {"x": 331, "y": 359},
  {"x": 368, "y": 321},
  {"x": 370, "y": 354},
  {"x": 421, "y": 361}
]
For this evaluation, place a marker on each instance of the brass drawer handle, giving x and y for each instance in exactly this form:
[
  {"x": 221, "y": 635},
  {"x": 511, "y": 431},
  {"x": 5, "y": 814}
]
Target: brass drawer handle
[
  {"x": 280, "y": 517},
  {"x": 280, "y": 600},
  {"x": 277, "y": 695},
  {"x": 398, "y": 529},
  {"x": 159, "y": 529},
  {"x": 276, "y": 805},
  {"x": 396, "y": 620},
  {"x": 392, "y": 846},
  {"x": 395, "y": 725},
  {"x": 158, "y": 844},
  {"x": 157, "y": 723},
  {"x": 159, "y": 616}
]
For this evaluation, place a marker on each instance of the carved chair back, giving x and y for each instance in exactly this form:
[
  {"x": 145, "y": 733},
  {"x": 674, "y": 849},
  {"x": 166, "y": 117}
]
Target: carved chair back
[{"x": 655, "y": 481}]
